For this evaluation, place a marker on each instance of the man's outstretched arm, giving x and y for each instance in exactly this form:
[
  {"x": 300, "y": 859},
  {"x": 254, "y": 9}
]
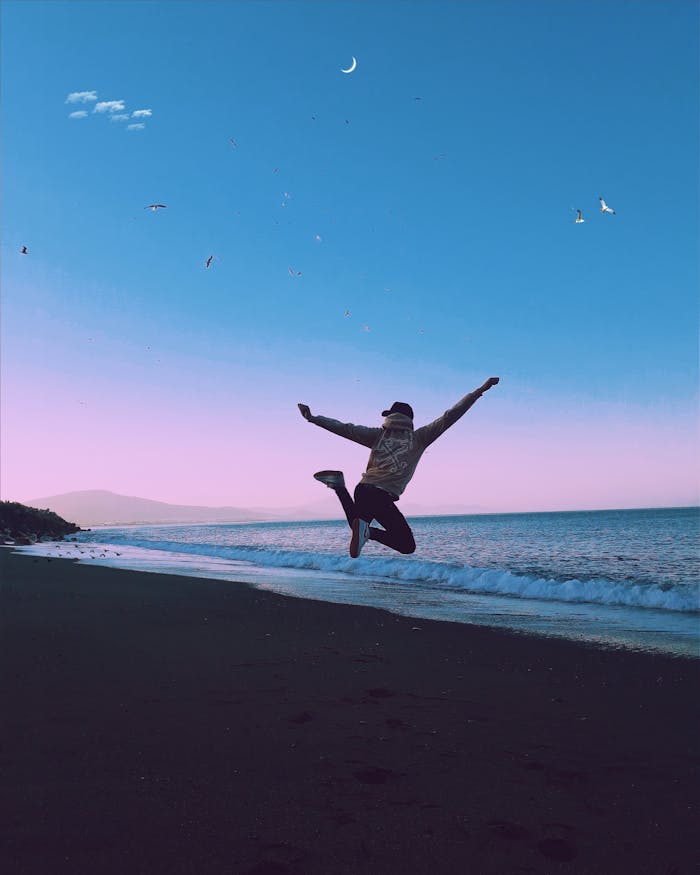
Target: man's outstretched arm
[
  {"x": 433, "y": 430},
  {"x": 361, "y": 434}
]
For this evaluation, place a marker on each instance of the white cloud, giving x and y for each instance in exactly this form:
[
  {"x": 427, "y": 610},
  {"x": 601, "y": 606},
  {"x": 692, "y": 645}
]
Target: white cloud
[
  {"x": 141, "y": 113},
  {"x": 135, "y": 127},
  {"x": 109, "y": 106},
  {"x": 81, "y": 113},
  {"x": 119, "y": 117},
  {"x": 81, "y": 96}
]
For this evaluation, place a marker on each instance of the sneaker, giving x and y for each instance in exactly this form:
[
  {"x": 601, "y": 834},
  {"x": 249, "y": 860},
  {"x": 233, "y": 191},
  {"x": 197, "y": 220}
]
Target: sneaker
[
  {"x": 332, "y": 479},
  {"x": 360, "y": 536}
]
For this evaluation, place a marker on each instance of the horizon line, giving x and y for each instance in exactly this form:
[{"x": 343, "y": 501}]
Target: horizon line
[{"x": 408, "y": 516}]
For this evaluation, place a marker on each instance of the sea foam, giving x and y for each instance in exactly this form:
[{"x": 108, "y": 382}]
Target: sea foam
[{"x": 425, "y": 574}]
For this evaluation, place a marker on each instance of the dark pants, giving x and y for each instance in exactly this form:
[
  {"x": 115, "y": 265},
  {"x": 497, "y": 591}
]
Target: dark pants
[{"x": 372, "y": 503}]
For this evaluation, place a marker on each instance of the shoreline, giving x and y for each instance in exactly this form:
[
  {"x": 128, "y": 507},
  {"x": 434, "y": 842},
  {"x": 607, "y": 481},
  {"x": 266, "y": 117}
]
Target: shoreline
[
  {"x": 613, "y": 625},
  {"x": 165, "y": 723}
]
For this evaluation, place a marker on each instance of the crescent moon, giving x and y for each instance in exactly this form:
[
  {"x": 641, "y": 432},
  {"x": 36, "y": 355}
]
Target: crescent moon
[{"x": 351, "y": 68}]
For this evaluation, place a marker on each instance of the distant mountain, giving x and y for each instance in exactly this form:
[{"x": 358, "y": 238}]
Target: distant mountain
[{"x": 98, "y": 507}]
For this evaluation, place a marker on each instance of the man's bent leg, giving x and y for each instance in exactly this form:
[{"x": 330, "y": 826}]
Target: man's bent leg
[
  {"x": 396, "y": 533},
  {"x": 373, "y": 503}
]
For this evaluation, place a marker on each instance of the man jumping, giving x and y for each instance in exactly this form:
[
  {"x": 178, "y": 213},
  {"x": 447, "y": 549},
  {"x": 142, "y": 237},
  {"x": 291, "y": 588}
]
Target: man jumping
[{"x": 396, "y": 448}]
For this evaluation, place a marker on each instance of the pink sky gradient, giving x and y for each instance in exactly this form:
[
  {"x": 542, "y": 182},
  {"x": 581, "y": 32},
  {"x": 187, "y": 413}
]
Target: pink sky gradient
[
  {"x": 179, "y": 421},
  {"x": 239, "y": 448}
]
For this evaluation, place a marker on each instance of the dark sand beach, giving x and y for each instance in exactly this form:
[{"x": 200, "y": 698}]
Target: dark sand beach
[{"x": 165, "y": 724}]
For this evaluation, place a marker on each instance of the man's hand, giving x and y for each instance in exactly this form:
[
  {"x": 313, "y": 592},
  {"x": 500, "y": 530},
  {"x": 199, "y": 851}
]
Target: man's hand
[
  {"x": 492, "y": 381},
  {"x": 305, "y": 411}
]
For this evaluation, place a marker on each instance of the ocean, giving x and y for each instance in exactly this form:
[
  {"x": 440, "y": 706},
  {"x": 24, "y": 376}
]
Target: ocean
[{"x": 616, "y": 578}]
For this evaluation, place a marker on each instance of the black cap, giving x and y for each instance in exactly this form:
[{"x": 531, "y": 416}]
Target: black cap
[{"x": 399, "y": 407}]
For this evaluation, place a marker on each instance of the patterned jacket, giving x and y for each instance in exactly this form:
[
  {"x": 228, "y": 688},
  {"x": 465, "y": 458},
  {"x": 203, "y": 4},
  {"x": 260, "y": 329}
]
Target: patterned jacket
[{"x": 396, "y": 447}]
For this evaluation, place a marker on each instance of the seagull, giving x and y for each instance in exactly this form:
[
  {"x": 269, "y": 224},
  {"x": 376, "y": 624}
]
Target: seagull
[
  {"x": 347, "y": 313},
  {"x": 291, "y": 272},
  {"x": 155, "y": 207},
  {"x": 579, "y": 217},
  {"x": 604, "y": 208},
  {"x": 209, "y": 261},
  {"x": 24, "y": 251},
  {"x": 233, "y": 142},
  {"x": 366, "y": 328}
]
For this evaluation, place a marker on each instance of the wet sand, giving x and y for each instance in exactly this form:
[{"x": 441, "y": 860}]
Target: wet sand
[{"x": 154, "y": 723}]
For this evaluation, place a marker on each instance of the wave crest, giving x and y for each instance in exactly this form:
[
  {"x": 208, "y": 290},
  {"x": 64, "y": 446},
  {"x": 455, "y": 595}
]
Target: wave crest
[{"x": 458, "y": 578}]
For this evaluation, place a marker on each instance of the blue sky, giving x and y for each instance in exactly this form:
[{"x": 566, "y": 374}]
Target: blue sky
[{"x": 460, "y": 204}]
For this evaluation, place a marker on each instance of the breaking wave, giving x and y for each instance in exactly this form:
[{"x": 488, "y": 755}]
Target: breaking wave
[{"x": 449, "y": 577}]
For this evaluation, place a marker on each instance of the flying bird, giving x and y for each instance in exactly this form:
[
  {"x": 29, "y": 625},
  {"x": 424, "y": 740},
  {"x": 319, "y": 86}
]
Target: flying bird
[
  {"x": 579, "y": 217},
  {"x": 233, "y": 142},
  {"x": 24, "y": 251},
  {"x": 347, "y": 313},
  {"x": 604, "y": 208},
  {"x": 155, "y": 207},
  {"x": 209, "y": 261}
]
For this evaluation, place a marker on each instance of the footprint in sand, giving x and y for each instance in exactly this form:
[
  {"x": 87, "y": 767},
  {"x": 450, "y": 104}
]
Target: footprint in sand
[
  {"x": 380, "y": 693},
  {"x": 557, "y": 849},
  {"x": 282, "y": 859},
  {"x": 374, "y": 775},
  {"x": 561, "y": 850},
  {"x": 396, "y": 723},
  {"x": 302, "y": 717},
  {"x": 508, "y": 830}
]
